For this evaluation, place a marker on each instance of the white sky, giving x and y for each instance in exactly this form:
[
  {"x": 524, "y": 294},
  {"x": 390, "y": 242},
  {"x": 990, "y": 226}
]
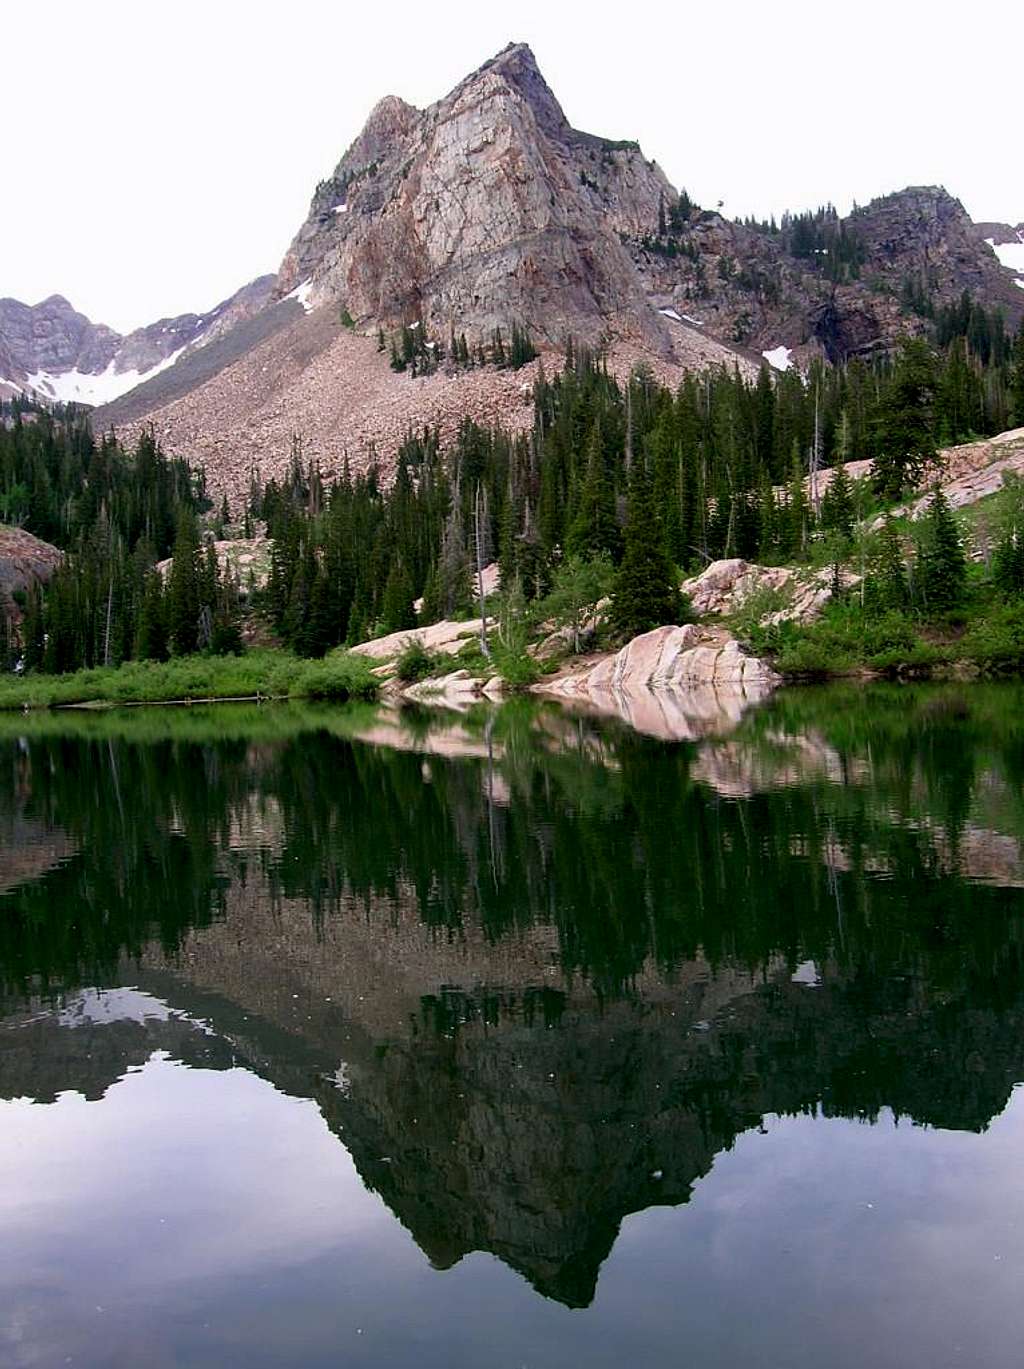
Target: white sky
[{"x": 160, "y": 155}]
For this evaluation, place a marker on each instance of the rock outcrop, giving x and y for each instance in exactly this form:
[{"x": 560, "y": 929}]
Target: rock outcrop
[
  {"x": 444, "y": 638},
  {"x": 790, "y": 595},
  {"x": 973, "y": 471},
  {"x": 676, "y": 683},
  {"x": 24, "y": 561}
]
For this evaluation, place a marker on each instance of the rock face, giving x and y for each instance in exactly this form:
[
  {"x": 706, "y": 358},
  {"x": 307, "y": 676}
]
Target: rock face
[
  {"x": 24, "y": 561},
  {"x": 487, "y": 209},
  {"x": 744, "y": 284},
  {"x": 792, "y": 595},
  {"x": 246, "y": 559},
  {"x": 676, "y": 683},
  {"x": 484, "y": 210},
  {"x": 445, "y": 637}
]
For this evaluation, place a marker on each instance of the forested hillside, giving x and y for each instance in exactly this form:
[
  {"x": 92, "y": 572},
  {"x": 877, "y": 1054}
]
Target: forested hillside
[{"x": 625, "y": 486}]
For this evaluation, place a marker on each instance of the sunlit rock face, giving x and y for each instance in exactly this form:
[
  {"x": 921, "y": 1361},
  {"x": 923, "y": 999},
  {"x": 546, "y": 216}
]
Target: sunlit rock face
[
  {"x": 676, "y": 683},
  {"x": 485, "y": 209}
]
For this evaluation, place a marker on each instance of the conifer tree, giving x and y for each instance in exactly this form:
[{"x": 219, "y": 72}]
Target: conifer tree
[
  {"x": 183, "y": 602},
  {"x": 1017, "y": 376},
  {"x": 151, "y": 636},
  {"x": 33, "y": 630},
  {"x": 1008, "y": 562},
  {"x": 397, "y": 612},
  {"x": 942, "y": 564},
  {"x": 906, "y": 423},
  {"x": 595, "y": 528},
  {"x": 886, "y": 586},
  {"x": 646, "y": 593},
  {"x": 837, "y": 514},
  {"x": 796, "y": 516}
]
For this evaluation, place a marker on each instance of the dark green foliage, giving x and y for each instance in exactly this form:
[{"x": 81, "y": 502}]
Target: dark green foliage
[
  {"x": 837, "y": 511},
  {"x": 1017, "y": 377},
  {"x": 646, "y": 592},
  {"x": 415, "y": 663},
  {"x": 184, "y": 597},
  {"x": 906, "y": 423},
  {"x": 887, "y": 586},
  {"x": 397, "y": 612},
  {"x": 726, "y": 461},
  {"x": 578, "y": 587},
  {"x": 151, "y": 642},
  {"x": 941, "y": 579}
]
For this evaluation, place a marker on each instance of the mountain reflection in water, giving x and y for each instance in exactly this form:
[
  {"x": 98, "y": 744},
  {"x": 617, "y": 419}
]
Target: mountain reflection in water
[{"x": 535, "y": 970}]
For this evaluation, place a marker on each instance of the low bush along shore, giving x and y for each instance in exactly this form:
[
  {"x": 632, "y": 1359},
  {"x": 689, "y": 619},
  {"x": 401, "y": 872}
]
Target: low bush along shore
[{"x": 274, "y": 674}]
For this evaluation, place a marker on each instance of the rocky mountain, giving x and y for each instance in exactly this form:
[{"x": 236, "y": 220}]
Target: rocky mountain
[
  {"x": 51, "y": 351},
  {"x": 483, "y": 211}
]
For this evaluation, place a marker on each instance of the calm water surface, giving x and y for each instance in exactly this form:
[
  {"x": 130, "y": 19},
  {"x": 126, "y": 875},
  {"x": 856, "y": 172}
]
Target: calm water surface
[{"x": 517, "y": 1038}]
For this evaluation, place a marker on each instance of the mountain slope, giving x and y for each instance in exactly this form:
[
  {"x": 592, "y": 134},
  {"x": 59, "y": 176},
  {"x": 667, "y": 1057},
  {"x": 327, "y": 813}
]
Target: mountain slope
[
  {"x": 485, "y": 210},
  {"x": 55, "y": 353}
]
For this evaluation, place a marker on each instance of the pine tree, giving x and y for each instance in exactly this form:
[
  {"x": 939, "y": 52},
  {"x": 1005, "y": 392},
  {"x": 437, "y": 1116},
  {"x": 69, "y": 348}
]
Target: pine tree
[
  {"x": 595, "y": 528},
  {"x": 796, "y": 515},
  {"x": 906, "y": 423},
  {"x": 578, "y": 587},
  {"x": 33, "y": 629},
  {"x": 646, "y": 592},
  {"x": 837, "y": 513},
  {"x": 886, "y": 586},
  {"x": 1008, "y": 565},
  {"x": 151, "y": 635},
  {"x": 1017, "y": 376},
  {"x": 941, "y": 564},
  {"x": 397, "y": 612},
  {"x": 183, "y": 603}
]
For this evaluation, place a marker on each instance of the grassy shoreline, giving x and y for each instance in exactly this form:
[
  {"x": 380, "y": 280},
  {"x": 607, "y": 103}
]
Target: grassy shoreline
[{"x": 264, "y": 674}]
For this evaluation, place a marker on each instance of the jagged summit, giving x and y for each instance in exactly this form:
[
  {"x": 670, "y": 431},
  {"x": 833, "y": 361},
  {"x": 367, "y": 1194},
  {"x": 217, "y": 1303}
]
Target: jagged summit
[
  {"x": 483, "y": 210},
  {"x": 517, "y": 65}
]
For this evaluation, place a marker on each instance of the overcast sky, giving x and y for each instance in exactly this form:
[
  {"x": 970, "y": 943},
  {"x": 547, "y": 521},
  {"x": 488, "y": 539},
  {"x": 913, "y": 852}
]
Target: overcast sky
[{"x": 160, "y": 155}]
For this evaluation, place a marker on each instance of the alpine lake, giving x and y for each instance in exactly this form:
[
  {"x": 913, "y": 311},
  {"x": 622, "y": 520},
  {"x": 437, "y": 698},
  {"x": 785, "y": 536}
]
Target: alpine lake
[{"x": 516, "y": 1037}]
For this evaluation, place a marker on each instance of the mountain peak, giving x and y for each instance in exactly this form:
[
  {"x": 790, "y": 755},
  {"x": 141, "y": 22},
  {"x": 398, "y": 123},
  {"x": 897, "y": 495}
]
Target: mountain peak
[
  {"x": 517, "y": 64},
  {"x": 483, "y": 211}
]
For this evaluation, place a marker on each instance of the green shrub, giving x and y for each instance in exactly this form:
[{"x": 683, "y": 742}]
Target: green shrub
[
  {"x": 337, "y": 677},
  {"x": 847, "y": 636},
  {"x": 516, "y": 668},
  {"x": 416, "y": 663},
  {"x": 996, "y": 641}
]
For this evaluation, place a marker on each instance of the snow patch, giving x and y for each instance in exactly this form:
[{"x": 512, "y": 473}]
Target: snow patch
[
  {"x": 12, "y": 383},
  {"x": 113, "y": 1005},
  {"x": 682, "y": 318},
  {"x": 806, "y": 974},
  {"x": 340, "y": 209},
  {"x": 779, "y": 357},
  {"x": 1010, "y": 254},
  {"x": 80, "y": 387},
  {"x": 302, "y": 293}
]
